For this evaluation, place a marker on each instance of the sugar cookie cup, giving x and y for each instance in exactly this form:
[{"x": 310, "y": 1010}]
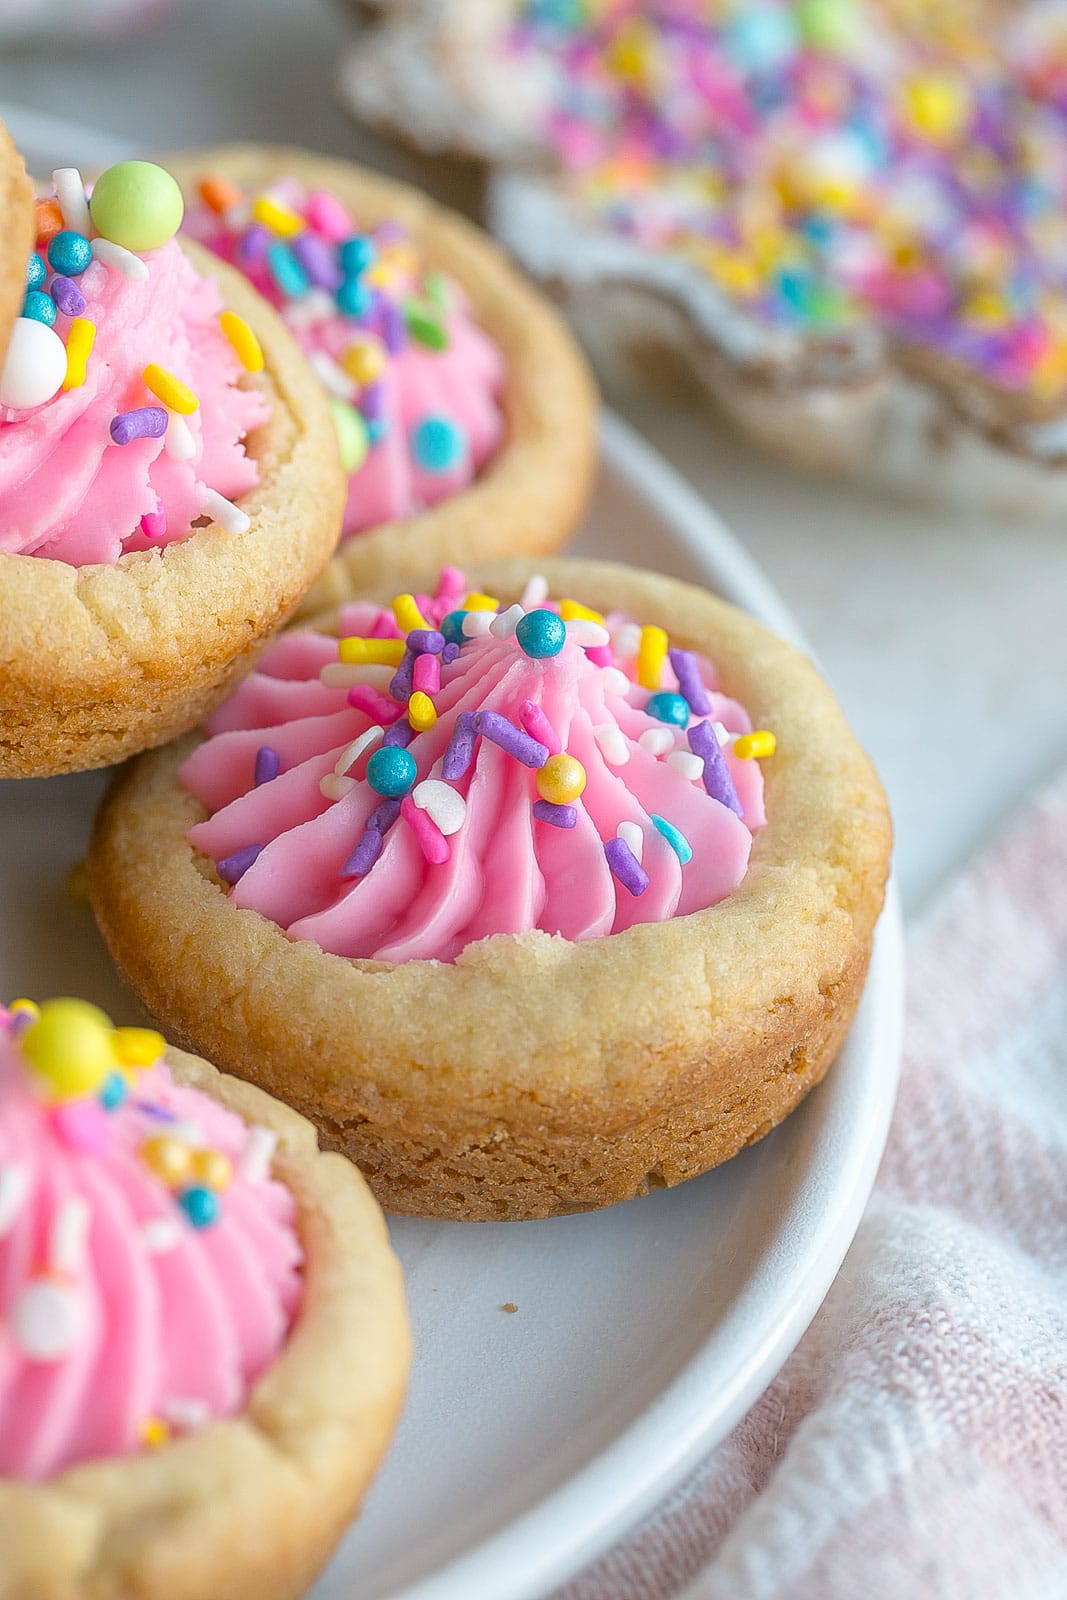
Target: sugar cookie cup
[
  {"x": 535, "y": 1076},
  {"x": 16, "y": 236},
  {"x": 249, "y": 1507},
  {"x": 531, "y": 495},
  {"x": 101, "y": 660}
]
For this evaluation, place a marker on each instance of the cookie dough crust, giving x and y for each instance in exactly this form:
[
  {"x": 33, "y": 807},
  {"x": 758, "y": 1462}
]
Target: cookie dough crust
[
  {"x": 251, "y": 1507},
  {"x": 531, "y": 496},
  {"x": 16, "y": 236},
  {"x": 100, "y": 661},
  {"x": 536, "y": 1076}
]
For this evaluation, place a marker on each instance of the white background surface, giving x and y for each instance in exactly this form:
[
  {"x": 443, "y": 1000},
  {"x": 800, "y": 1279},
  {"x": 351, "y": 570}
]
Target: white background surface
[{"x": 945, "y": 636}]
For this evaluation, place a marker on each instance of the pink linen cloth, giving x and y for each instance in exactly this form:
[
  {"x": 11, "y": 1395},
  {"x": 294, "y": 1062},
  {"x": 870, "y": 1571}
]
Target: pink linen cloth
[{"x": 914, "y": 1447}]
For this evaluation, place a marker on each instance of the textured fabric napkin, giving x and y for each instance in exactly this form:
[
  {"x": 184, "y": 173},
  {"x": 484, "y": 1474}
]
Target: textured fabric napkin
[{"x": 915, "y": 1445}]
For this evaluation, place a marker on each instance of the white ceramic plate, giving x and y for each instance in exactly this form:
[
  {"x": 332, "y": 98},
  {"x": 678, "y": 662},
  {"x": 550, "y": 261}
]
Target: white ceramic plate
[{"x": 534, "y": 1438}]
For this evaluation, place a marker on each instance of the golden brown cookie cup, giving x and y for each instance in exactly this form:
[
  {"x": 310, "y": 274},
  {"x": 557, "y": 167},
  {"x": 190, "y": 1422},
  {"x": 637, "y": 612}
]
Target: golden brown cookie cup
[
  {"x": 99, "y": 661},
  {"x": 531, "y": 496},
  {"x": 536, "y": 1076},
  {"x": 248, "y": 1508},
  {"x": 16, "y": 235}
]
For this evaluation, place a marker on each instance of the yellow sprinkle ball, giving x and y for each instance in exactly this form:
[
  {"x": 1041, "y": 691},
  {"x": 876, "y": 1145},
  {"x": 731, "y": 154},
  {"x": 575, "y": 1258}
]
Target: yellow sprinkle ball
[
  {"x": 170, "y": 1159},
  {"x": 374, "y": 652},
  {"x": 561, "y": 780},
  {"x": 137, "y": 1047},
  {"x": 364, "y": 360},
  {"x": 246, "y": 346},
  {"x": 755, "y": 745},
  {"x": 407, "y": 613},
  {"x": 422, "y": 713},
  {"x": 939, "y": 106},
  {"x": 651, "y": 654},
  {"x": 213, "y": 1168},
  {"x": 70, "y": 1047}
]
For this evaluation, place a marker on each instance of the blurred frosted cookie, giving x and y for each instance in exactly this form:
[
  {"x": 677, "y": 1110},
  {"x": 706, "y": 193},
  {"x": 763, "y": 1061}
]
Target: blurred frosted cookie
[
  {"x": 845, "y": 216},
  {"x": 169, "y": 477},
  {"x": 204, "y": 1343},
  {"x": 464, "y": 411},
  {"x": 574, "y": 896}
]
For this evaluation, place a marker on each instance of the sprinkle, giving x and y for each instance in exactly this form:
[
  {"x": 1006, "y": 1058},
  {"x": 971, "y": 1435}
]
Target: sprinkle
[
  {"x": 450, "y": 584},
  {"x": 756, "y": 745},
  {"x": 503, "y": 732},
  {"x": 425, "y": 326},
  {"x": 185, "y": 1413},
  {"x": 258, "y": 1153},
  {"x": 677, "y": 841},
  {"x": 219, "y": 194},
  {"x": 438, "y": 444},
  {"x": 557, "y": 816},
  {"x": 223, "y": 511},
  {"x": 147, "y": 422},
  {"x": 690, "y": 682},
  {"x": 67, "y": 296},
  {"x": 160, "y": 1234},
  {"x": 69, "y": 253},
  {"x": 391, "y": 771},
  {"x": 119, "y": 259},
  {"x": 46, "y": 1319},
  {"x": 449, "y": 653},
  {"x": 40, "y": 307},
  {"x": 721, "y": 732},
  {"x": 334, "y": 787},
  {"x": 504, "y": 625},
  {"x": 460, "y": 750},
  {"x": 357, "y": 254},
  {"x": 200, "y": 1204},
  {"x": 364, "y": 855},
  {"x": 426, "y": 677},
  {"x": 480, "y": 602},
  {"x": 535, "y": 593},
  {"x": 231, "y": 869},
  {"x": 318, "y": 262},
  {"x": 573, "y": 610},
  {"x": 268, "y": 766},
  {"x": 365, "y": 360},
  {"x": 668, "y": 707},
  {"x": 431, "y": 840},
  {"x": 443, "y": 804},
  {"x": 355, "y": 748},
  {"x": 422, "y": 713},
  {"x": 138, "y": 1047},
  {"x": 651, "y": 654},
  {"x": 400, "y": 684},
  {"x": 175, "y": 395},
  {"x": 625, "y": 866},
  {"x": 155, "y": 1433},
  {"x": 631, "y": 835},
  {"x": 277, "y": 217},
  {"x": 327, "y": 216},
  {"x": 589, "y": 635},
  {"x": 380, "y": 652},
  {"x": 180, "y": 446},
  {"x": 331, "y": 375},
  {"x": 477, "y": 624},
  {"x": 407, "y": 613},
  {"x": 612, "y": 743},
  {"x": 538, "y": 727},
  {"x": 657, "y": 741},
  {"x": 288, "y": 275},
  {"x": 399, "y": 733},
  {"x": 426, "y": 641},
  {"x": 685, "y": 762},
  {"x": 561, "y": 779},
  {"x": 70, "y": 194},
  {"x": 113, "y": 1091},
  {"x": 384, "y": 815},
  {"x": 49, "y": 219},
  {"x": 66, "y": 1248},
  {"x": 614, "y": 682},
  {"x": 154, "y": 523},
  {"x": 81, "y": 336},
  {"x": 246, "y": 346},
  {"x": 374, "y": 705},
  {"x": 541, "y": 634},
  {"x": 14, "y": 1183},
  {"x": 626, "y": 641},
  {"x": 717, "y": 780}
]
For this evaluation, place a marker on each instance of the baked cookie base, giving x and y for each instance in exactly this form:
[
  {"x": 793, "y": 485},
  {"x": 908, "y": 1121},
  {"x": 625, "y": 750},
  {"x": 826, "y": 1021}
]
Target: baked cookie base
[
  {"x": 531, "y": 496},
  {"x": 249, "y": 1508},
  {"x": 535, "y": 1076},
  {"x": 99, "y": 661}
]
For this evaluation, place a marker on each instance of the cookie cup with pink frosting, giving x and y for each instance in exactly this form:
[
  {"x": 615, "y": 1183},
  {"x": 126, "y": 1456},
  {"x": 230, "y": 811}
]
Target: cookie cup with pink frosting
[
  {"x": 532, "y": 1021},
  {"x": 248, "y": 1505},
  {"x": 140, "y": 574},
  {"x": 501, "y": 365}
]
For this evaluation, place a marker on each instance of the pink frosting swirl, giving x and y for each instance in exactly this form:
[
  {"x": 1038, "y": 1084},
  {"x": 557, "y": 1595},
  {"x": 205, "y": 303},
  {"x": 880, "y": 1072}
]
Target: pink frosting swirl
[
  {"x": 493, "y": 858},
  {"x": 66, "y": 490},
  {"x": 118, "y": 1317},
  {"x": 421, "y": 357}
]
